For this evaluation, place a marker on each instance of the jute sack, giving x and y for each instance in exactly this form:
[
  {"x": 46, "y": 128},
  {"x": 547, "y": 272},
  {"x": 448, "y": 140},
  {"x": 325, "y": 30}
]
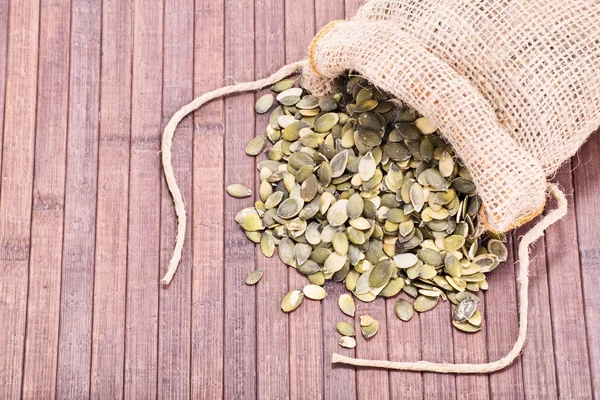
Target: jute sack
[{"x": 513, "y": 85}]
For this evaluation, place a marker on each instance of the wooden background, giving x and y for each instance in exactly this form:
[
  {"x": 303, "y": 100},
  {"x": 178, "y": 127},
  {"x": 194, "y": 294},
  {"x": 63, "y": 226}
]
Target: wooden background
[{"x": 87, "y": 227}]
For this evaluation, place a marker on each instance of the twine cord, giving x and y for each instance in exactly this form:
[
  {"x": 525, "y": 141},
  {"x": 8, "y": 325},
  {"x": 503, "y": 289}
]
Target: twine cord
[
  {"x": 167, "y": 142},
  {"x": 529, "y": 238}
]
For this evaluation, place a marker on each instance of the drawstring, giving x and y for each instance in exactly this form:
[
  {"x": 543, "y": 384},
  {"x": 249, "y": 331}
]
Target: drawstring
[
  {"x": 523, "y": 279},
  {"x": 167, "y": 141}
]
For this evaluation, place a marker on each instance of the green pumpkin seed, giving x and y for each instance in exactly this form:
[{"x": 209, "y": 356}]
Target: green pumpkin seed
[
  {"x": 290, "y": 207},
  {"x": 347, "y": 342},
  {"x": 345, "y": 329},
  {"x": 253, "y": 277},
  {"x": 263, "y": 104},
  {"x": 314, "y": 292},
  {"x": 239, "y": 191},
  {"x": 292, "y": 300},
  {"x": 346, "y": 304},
  {"x": 404, "y": 310},
  {"x": 267, "y": 245},
  {"x": 425, "y": 303}
]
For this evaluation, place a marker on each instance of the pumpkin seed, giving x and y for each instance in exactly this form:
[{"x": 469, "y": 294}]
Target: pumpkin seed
[
  {"x": 345, "y": 329},
  {"x": 347, "y": 342},
  {"x": 238, "y": 190},
  {"x": 404, "y": 310},
  {"x": 314, "y": 292},
  {"x": 253, "y": 277},
  {"x": 263, "y": 104},
  {"x": 346, "y": 304},
  {"x": 425, "y": 303},
  {"x": 292, "y": 300}
]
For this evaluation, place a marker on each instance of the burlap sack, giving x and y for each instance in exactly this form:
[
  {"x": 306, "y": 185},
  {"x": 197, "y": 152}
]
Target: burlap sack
[{"x": 513, "y": 85}]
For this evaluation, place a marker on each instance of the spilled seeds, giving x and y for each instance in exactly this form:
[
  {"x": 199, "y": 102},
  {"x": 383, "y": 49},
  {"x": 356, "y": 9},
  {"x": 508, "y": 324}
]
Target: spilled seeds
[{"x": 359, "y": 189}]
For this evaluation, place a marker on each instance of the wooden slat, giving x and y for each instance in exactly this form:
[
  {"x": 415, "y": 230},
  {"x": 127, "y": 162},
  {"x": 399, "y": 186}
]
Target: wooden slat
[
  {"x": 352, "y": 6},
  {"x": 586, "y": 205},
  {"x": 372, "y": 383},
  {"x": 16, "y": 178},
  {"x": 208, "y": 195},
  {"x": 240, "y": 300},
  {"x": 43, "y": 306},
  {"x": 437, "y": 345},
  {"x": 306, "y": 358},
  {"x": 75, "y": 339},
  {"x": 566, "y": 300},
  {"x": 272, "y": 357},
  {"x": 327, "y": 11},
  {"x": 3, "y": 56},
  {"x": 539, "y": 372},
  {"x": 113, "y": 194},
  {"x": 339, "y": 381},
  {"x": 501, "y": 318},
  {"x": 141, "y": 319},
  {"x": 404, "y": 344},
  {"x": 471, "y": 349},
  {"x": 175, "y": 300}
]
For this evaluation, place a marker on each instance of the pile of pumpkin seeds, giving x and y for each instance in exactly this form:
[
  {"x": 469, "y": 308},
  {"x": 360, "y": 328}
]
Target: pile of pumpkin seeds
[{"x": 360, "y": 189}]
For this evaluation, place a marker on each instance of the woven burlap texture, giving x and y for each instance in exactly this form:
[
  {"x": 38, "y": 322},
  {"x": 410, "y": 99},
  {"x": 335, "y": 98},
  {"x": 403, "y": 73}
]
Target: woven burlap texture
[{"x": 513, "y": 85}]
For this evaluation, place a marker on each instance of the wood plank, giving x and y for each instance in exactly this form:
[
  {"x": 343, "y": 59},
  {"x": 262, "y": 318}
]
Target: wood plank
[
  {"x": 75, "y": 338},
  {"x": 113, "y": 192},
  {"x": 327, "y": 11},
  {"x": 43, "y": 306},
  {"x": 272, "y": 357},
  {"x": 339, "y": 381},
  {"x": 352, "y": 6},
  {"x": 404, "y": 344},
  {"x": 437, "y": 345},
  {"x": 240, "y": 300},
  {"x": 16, "y": 190},
  {"x": 305, "y": 324},
  {"x": 208, "y": 197},
  {"x": 3, "y": 57},
  {"x": 471, "y": 349},
  {"x": 539, "y": 372},
  {"x": 566, "y": 300},
  {"x": 141, "y": 319},
  {"x": 372, "y": 383},
  {"x": 175, "y": 300},
  {"x": 502, "y": 321},
  {"x": 586, "y": 203}
]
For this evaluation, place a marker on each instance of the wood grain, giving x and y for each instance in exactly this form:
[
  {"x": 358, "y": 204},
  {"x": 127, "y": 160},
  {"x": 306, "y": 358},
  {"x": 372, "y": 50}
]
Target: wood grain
[
  {"x": 472, "y": 349},
  {"x": 174, "y": 330},
  {"x": 437, "y": 345},
  {"x": 305, "y": 329},
  {"x": 110, "y": 275},
  {"x": 43, "y": 306},
  {"x": 539, "y": 372},
  {"x": 372, "y": 383},
  {"x": 240, "y": 300},
  {"x": 502, "y": 328},
  {"x": 77, "y": 285},
  {"x": 272, "y": 357},
  {"x": 16, "y": 178},
  {"x": 566, "y": 299},
  {"x": 404, "y": 344},
  {"x": 143, "y": 254},
  {"x": 3, "y": 57},
  {"x": 208, "y": 198},
  {"x": 586, "y": 203},
  {"x": 339, "y": 381}
]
